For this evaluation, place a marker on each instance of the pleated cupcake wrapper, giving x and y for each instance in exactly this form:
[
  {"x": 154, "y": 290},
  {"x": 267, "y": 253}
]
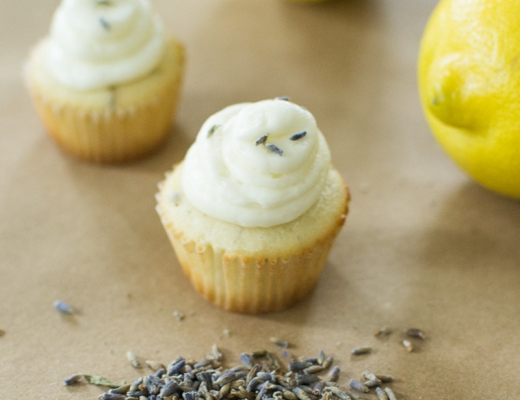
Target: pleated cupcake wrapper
[
  {"x": 113, "y": 135},
  {"x": 248, "y": 284}
]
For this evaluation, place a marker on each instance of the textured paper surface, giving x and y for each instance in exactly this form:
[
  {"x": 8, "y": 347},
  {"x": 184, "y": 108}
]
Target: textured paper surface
[{"x": 423, "y": 246}]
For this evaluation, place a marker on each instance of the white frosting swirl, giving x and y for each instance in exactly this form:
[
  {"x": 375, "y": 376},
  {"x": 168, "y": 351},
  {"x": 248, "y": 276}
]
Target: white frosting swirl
[
  {"x": 98, "y": 43},
  {"x": 228, "y": 176}
]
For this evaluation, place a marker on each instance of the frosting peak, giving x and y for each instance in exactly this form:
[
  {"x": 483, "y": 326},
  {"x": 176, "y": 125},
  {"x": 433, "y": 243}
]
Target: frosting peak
[
  {"x": 98, "y": 43},
  {"x": 257, "y": 164}
]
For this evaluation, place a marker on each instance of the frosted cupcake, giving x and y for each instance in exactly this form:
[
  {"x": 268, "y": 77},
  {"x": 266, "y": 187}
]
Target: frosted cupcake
[
  {"x": 255, "y": 206},
  {"x": 106, "y": 80}
]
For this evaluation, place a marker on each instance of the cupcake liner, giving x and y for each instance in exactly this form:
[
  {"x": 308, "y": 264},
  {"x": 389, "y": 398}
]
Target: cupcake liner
[
  {"x": 114, "y": 135},
  {"x": 249, "y": 284}
]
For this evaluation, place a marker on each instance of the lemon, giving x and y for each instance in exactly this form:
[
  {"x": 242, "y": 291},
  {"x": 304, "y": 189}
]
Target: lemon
[{"x": 469, "y": 82}]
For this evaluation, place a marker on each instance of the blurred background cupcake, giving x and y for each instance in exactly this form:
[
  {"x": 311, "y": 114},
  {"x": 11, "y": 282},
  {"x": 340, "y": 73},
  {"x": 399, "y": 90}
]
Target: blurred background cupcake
[{"x": 106, "y": 81}]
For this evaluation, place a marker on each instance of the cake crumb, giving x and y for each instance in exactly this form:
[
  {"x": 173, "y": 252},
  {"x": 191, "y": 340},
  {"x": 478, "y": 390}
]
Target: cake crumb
[{"x": 178, "y": 315}]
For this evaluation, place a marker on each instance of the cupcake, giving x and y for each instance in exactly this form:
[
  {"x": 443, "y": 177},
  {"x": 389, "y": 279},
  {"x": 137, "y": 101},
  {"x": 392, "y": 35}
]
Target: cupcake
[
  {"x": 254, "y": 208},
  {"x": 106, "y": 80}
]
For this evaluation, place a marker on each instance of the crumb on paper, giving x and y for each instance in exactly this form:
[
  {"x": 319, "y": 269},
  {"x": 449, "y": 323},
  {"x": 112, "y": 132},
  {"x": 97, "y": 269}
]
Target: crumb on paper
[{"x": 178, "y": 315}]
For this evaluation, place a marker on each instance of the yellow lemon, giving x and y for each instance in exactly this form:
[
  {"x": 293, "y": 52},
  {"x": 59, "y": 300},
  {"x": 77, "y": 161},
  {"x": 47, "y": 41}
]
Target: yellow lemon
[{"x": 469, "y": 80}]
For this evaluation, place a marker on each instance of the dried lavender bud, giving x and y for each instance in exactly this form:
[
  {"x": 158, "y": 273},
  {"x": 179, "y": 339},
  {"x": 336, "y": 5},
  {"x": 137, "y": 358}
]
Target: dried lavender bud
[
  {"x": 120, "y": 390},
  {"x": 111, "y": 396},
  {"x": 384, "y": 331},
  {"x": 63, "y": 307},
  {"x": 357, "y": 385},
  {"x": 369, "y": 375},
  {"x": 340, "y": 393},
  {"x": 298, "y": 136},
  {"x": 357, "y": 351},
  {"x": 252, "y": 372},
  {"x": 261, "y": 140},
  {"x": 313, "y": 369},
  {"x": 253, "y": 384},
  {"x": 355, "y": 396},
  {"x": 192, "y": 395},
  {"x": 100, "y": 381},
  {"x": 261, "y": 393},
  {"x": 175, "y": 369},
  {"x": 321, "y": 357},
  {"x": 279, "y": 342},
  {"x": 258, "y": 353},
  {"x": 416, "y": 333},
  {"x": 272, "y": 360},
  {"x": 132, "y": 358},
  {"x": 216, "y": 352},
  {"x": 385, "y": 378},
  {"x": 274, "y": 149},
  {"x": 153, "y": 385},
  {"x": 202, "y": 363},
  {"x": 298, "y": 366},
  {"x": 318, "y": 387},
  {"x": 247, "y": 360},
  {"x": 171, "y": 388},
  {"x": 372, "y": 383},
  {"x": 407, "y": 345},
  {"x": 307, "y": 389},
  {"x": 285, "y": 98},
  {"x": 306, "y": 379},
  {"x": 134, "y": 386},
  {"x": 224, "y": 391},
  {"x": 244, "y": 394},
  {"x": 333, "y": 374},
  {"x": 71, "y": 380},
  {"x": 380, "y": 393},
  {"x": 104, "y": 23},
  {"x": 300, "y": 393},
  {"x": 154, "y": 365},
  {"x": 206, "y": 378},
  {"x": 212, "y": 130},
  {"x": 228, "y": 377},
  {"x": 390, "y": 393},
  {"x": 328, "y": 362}
]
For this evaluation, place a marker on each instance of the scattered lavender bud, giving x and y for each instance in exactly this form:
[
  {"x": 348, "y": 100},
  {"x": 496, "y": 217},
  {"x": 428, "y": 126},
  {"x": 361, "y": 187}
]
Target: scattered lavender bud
[
  {"x": 357, "y": 385},
  {"x": 407, "y": 345},
  {"x": 71, "y": 380},
  {"x": 384, "y": 331},
  {"x": 380, "y": 393},
  {"x": 279, "y": 342},
  {"x": 357, "y": 351},
  {"x": 298, "y": 136},
  {"x": 133, "y": 359},
  {"x": 63, "y": 307},
  {"x": 416, "y": 333}
]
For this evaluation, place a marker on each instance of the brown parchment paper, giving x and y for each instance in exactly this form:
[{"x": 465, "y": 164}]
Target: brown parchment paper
[{"x": 423, "y": 245}]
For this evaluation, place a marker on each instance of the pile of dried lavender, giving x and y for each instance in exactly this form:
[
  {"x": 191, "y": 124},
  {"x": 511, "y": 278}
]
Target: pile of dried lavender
[{"x": 260, "y": 377}]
